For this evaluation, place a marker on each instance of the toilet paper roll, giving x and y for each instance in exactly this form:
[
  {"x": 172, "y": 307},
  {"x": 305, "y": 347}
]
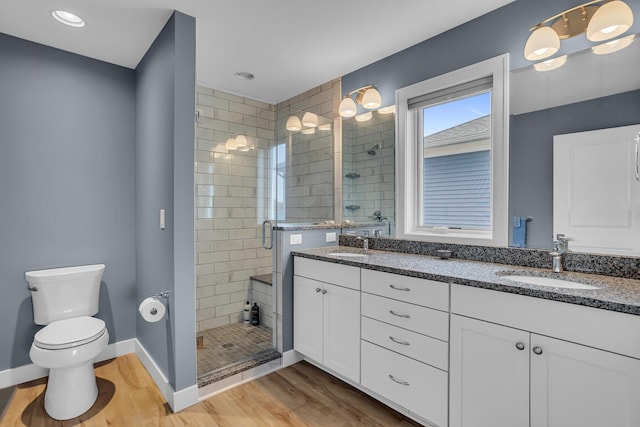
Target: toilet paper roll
[{"x": 152, "y": 309}]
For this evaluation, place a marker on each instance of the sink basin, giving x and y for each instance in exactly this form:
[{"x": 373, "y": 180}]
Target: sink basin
[
  {"x": 548, "y": 281},
  {"x": 348, "y": 255}
]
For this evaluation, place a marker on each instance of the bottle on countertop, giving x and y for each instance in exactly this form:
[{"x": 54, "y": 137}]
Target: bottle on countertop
[
  {"x": 255, "y": 314},
  {"x": 246, "y": 314}
]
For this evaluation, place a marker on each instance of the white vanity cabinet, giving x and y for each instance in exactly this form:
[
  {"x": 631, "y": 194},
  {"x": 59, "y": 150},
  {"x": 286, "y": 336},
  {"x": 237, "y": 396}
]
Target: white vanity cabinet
[
  {"x": 326, "y": 315},
  {"x": 506, "y": 370},
  {"x": 405, "y": 333}
]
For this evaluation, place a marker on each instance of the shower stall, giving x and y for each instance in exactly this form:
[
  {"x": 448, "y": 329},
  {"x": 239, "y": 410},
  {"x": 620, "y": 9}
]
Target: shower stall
[{"x": 249, "y": 169}]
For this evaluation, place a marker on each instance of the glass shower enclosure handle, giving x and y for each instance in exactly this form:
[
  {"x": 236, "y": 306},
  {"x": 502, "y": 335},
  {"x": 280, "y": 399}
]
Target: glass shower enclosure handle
[{"x": 265, "y": 223}]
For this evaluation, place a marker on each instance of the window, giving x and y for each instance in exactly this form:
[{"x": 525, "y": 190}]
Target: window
[{"x": 453, "y": 156}]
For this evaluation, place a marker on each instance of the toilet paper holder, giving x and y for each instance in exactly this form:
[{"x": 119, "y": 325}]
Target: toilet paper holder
[{"x": 163, "y": 294}]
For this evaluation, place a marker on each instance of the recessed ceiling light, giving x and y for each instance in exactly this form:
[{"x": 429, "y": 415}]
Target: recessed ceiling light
[
  {"x": 68, "y": 18},
  {"x": 243, "y": 75}
]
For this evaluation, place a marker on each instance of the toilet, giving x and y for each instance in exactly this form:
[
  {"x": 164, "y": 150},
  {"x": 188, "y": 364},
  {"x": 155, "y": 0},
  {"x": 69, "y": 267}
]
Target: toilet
[{"x": 65, "y": 299}]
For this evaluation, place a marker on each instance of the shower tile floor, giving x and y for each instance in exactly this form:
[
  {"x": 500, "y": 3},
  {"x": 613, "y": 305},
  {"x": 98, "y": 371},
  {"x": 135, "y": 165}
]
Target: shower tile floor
[{"x": 232, "y": 345}]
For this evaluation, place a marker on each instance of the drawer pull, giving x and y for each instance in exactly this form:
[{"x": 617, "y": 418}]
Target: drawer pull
[
  {"x": 399, "y": 289},
  {"x": 399, "y": 342},
  {"x": 398, "y": 381},
  {"x": 406, "y": 316}
]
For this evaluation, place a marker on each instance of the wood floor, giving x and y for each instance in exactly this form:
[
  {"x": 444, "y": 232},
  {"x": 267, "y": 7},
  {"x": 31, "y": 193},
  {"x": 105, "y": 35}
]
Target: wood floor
[{"x": 300, "y": 395}]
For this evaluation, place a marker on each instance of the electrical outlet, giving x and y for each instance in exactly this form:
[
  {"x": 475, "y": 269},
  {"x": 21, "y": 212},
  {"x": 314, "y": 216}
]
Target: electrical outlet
[
  {"x": 295, "y": 239},
  {"x": 330, "y": 237}
]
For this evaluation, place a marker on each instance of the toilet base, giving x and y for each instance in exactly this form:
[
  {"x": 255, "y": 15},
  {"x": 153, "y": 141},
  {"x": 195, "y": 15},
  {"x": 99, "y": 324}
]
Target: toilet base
[{"x": 70, "y": 391}]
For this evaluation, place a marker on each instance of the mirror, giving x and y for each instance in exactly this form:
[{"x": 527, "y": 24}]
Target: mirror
[
  {"x": 589, "y": 92},
  {"x": 368, "y": 168}
]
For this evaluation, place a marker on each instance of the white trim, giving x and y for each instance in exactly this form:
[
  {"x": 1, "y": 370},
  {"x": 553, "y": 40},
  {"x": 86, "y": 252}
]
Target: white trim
[
  {"x": 407, "y": 166},
  {"x": 240, "y": 378},
  {"x": 30, "y": 372},
  {"x": 291, "y": 357},
  {"x": 177, "y": 400}
]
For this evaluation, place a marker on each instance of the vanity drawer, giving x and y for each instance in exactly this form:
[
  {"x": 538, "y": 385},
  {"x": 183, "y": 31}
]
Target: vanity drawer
[
  {"x": 328, "y": 272},
  {"x": 420, "y": 388},
  {"x": 419, "y": 319},
  {"x": 409, "y": 289},
  {"x": 422, "y": 348}
]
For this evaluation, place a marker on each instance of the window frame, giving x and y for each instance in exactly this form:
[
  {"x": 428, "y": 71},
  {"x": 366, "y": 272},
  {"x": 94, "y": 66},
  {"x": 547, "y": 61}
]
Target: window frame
[{"x": 408, "y": 156}]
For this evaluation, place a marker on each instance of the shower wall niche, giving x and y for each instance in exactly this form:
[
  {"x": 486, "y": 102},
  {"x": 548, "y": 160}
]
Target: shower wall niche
[{"x": 368, "y": 177}]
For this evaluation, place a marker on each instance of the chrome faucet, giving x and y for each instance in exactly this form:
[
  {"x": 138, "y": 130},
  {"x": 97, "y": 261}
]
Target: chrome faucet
[
  {"x": 364, "y": 236},
  {"x": 560, "y": 247}
]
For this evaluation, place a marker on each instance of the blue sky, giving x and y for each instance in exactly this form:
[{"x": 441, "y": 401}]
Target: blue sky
[{"x": 449, "y": 114}]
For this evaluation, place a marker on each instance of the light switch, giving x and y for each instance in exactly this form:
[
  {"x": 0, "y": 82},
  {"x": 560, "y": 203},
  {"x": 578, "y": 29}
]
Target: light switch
[
  {"x": 330, "y": 237},
  {"x": 162, "y": 222},
  {"x": 295, "y": 239}
]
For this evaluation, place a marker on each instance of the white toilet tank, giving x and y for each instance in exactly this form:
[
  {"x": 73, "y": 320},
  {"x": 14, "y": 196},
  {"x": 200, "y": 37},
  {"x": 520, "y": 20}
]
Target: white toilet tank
[{"x": 62, "y": 293}]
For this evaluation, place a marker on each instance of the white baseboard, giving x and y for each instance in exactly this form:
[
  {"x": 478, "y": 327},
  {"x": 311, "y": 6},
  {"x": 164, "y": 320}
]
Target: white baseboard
[
  {"x": 177, "y": 400},
  {"x": 239, "y": 379},
  {"x": 291, "y": 357},
  {"x": 30, "y": 372}
]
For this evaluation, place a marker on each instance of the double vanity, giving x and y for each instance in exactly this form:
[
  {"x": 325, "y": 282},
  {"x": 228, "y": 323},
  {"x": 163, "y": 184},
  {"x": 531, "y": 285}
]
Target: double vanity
[{"x": 460, "y": 343}]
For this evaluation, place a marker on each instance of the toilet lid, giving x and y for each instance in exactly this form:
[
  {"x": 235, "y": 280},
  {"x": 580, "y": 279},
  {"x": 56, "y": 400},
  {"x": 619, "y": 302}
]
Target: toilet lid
[{"x": 69, "y": 333}]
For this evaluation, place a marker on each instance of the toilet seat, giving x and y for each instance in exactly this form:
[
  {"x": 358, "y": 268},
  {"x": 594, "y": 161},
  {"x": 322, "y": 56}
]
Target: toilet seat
[{"x": 69, "y": 333}]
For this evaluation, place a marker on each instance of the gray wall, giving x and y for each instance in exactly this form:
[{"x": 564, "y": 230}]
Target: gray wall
[
  {"x": 531, "y": 156},
  {"x": 67, "y": 171},
  {"x": 503, "y": 30},
  {"x": 165, "y": 93}
]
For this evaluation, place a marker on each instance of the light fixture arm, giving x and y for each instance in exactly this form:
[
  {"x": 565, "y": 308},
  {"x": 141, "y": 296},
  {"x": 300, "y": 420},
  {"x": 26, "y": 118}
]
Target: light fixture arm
[
  {"x": 360, "y": 90},
  {"x": 564, "y": 13}
]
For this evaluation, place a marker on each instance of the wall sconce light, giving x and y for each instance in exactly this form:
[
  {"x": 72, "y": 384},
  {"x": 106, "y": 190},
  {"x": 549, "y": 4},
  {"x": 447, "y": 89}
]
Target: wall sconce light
[
  {"x": 600, "y": 19},
  {"x": 367, "y": 96},
  {"x": 238, "y": 143},
  {"x": 310, "y": 120},
  {"x": 364, "y": 117},
  {"x": 293, "y": 124}
]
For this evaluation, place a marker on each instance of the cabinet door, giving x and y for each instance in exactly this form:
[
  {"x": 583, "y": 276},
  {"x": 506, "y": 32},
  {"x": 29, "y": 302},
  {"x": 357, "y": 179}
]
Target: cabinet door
[
  {"x": 342, "y": 331},
  {"x": 307, "y": 317},
  {"x": 489, "y": 375},
  {"x": 574, "y": 385}
]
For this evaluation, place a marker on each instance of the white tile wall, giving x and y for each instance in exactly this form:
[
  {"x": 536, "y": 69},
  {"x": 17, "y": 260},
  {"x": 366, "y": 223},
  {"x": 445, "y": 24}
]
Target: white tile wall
[
  {"x": 374, "y": 189},
  {"x": 228, "y": 215}
]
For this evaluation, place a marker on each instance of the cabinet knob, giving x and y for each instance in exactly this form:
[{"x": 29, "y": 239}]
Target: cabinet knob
[
  {"x": 537, "y": 350},
  {"x": 318, "y": 289},
  {"x": 520, "y": 346},
  {"x": 324, "y": 291}
]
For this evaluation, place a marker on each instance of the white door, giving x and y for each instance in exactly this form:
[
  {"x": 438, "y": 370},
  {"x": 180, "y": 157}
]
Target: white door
[
  {"x": 596, "y": 194},
  {"x": 489, "y": 375},
  {"x": 307, "y": 317},
  {"x": 574, "y": 385},
  {"x": 342, "y": 331}
]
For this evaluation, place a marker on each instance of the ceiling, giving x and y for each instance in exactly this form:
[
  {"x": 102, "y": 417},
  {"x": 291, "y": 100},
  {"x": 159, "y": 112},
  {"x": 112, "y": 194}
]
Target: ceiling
[{"x": 289, "y": 45}]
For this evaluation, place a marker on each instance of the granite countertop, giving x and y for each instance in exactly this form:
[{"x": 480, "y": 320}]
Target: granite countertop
[{"x": 613, "y": 293}]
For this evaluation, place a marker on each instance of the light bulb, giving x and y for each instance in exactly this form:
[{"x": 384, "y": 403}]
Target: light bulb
[
  {"x": 542, "y": 43},
  {"x": 293, "y": 124},
  {"x": 347, "y": 107},
  {"x": 310, "y": 120},
  {"x": 610, "y": 20}
]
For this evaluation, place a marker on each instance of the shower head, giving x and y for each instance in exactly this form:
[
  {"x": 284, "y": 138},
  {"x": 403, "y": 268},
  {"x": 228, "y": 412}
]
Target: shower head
[{"x": 373, "y": 150}]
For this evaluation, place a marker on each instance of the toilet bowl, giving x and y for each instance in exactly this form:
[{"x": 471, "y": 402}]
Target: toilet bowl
[
  {"x": 65, "y": 299},
  {"x": 67, "y": 348}
]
